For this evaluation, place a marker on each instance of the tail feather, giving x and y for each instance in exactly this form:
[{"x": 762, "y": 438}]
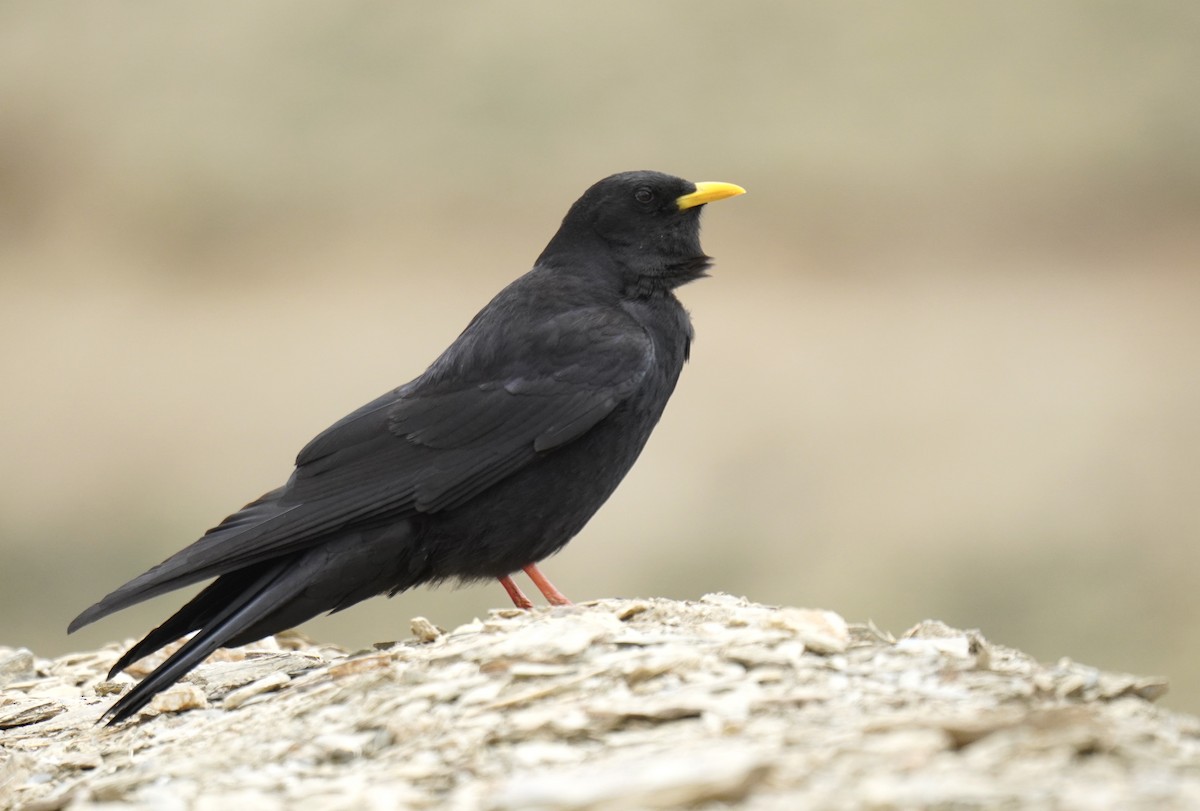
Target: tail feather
[
  {"x": 248, "y": 604},
  {"x": 242, "y": 611},
  {"x": 197, "y": 613}
]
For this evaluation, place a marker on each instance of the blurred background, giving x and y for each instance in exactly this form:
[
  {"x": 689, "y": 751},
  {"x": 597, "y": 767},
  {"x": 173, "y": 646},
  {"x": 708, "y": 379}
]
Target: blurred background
[{"x": 948, "y": 364}]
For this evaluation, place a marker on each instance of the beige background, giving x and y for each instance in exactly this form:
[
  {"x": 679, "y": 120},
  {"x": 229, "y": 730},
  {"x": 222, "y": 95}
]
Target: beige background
[{"x": 947, "y": 365}]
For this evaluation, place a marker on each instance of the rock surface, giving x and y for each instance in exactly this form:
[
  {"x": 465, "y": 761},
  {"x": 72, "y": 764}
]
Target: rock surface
[{"x": 617, "y": 704}]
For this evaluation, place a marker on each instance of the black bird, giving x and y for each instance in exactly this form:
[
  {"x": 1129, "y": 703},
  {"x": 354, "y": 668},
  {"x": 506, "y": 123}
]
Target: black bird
[{"x": 484, "y": 465}]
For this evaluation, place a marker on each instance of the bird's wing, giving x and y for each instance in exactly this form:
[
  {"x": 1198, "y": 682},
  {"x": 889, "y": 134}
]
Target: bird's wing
[
  {"x": 434, "y": 445},
  {"x": 428, "y": 446}
]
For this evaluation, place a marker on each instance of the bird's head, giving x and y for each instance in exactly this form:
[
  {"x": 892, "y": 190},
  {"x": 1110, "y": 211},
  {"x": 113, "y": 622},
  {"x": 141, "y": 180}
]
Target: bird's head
[{"x": 641, "y": 224}]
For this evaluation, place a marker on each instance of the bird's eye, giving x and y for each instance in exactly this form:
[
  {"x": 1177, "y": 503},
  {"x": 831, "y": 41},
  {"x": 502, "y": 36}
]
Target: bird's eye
[{"x": 643, "y": 195}]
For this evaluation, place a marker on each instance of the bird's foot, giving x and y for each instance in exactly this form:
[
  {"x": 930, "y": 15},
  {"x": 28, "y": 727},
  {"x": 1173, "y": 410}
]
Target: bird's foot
[
  {"x": 552, "y": 595},
  {"x": 515, "y": 594}
]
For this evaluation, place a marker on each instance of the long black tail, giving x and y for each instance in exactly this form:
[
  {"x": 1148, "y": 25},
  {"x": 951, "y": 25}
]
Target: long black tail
[
  {"x": 198, "y": 613},
  {"x": 271, "y": 596},
  {"x": 222, "y": 612}
]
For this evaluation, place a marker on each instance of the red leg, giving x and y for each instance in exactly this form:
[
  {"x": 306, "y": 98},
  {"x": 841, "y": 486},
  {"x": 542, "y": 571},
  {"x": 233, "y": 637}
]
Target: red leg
[
  {"x": 552, "y": 595},
  {"x": 515, "y": 594}
]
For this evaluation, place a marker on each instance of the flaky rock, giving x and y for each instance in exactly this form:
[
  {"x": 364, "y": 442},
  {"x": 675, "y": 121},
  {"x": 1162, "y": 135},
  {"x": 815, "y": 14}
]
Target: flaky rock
[{"x": 614, "y": 704}]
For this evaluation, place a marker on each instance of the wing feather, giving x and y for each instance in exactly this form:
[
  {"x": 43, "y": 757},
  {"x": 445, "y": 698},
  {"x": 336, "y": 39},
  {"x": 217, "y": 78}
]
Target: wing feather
[{"x": 430, "y": 445}]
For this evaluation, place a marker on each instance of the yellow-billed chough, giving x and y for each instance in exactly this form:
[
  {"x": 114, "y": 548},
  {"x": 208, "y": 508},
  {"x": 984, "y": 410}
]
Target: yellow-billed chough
[{"x": 484, "y": 465}]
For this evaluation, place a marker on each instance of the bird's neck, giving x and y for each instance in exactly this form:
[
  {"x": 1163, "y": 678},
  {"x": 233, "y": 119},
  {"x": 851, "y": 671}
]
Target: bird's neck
[
  {"x": 647, "y": 282},
  {"x": 636, "y": 272}
]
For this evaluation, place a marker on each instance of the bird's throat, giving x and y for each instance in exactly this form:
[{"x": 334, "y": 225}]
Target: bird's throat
[{"x": 665, "y": 278}]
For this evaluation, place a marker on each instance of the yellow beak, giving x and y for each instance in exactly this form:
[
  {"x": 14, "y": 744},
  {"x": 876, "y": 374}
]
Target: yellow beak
[{"x": 708, "y": 192}]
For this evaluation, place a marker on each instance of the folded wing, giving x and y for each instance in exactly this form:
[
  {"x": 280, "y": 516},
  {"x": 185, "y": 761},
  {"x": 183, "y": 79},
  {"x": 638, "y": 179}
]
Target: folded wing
[{"x": 428, "y": 446}]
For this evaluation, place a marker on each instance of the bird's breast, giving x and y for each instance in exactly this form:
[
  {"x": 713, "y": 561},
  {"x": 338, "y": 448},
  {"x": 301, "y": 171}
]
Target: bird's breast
[{"x": 670, "y": 329}]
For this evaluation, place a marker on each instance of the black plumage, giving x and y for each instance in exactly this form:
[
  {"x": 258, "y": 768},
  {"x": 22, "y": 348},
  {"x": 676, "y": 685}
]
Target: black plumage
[{"x": 484, "y": 465}]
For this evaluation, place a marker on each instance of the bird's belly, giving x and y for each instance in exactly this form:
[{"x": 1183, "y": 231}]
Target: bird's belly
[{"x": 535, "y": 512}]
